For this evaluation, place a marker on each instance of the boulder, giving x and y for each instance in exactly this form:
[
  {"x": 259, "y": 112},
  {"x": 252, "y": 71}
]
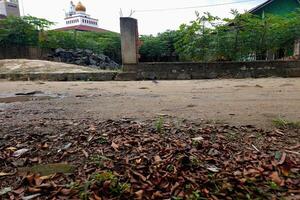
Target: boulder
[{"x": 83, "y": 57}]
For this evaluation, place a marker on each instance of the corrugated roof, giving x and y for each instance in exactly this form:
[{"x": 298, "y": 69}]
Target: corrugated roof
[{"x": 253, "y": 10}]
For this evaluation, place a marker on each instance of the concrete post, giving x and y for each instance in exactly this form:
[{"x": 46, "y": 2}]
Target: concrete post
[
  {"x": 129, "y": 41},
  {"x": 297, "y": 48}
]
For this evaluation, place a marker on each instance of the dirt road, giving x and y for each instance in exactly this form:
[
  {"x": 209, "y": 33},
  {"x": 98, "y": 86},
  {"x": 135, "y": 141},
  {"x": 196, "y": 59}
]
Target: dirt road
[{"x": 245, "y": 101}]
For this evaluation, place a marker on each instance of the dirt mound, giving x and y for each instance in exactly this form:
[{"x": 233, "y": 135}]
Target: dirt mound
[{"x": 16, "y": 66}]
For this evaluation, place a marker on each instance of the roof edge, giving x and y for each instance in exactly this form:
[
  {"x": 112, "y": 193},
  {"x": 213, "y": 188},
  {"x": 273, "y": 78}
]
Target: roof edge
[{"x": 262, "y": 5}]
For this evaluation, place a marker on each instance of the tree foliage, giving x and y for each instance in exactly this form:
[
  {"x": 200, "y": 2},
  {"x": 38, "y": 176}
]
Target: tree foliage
[
  {"x": 244, "y": 37},
  {"x": 16, "y": 31},
  {"x": 159, "y": 48},
  {"x": 32, "y": 31}
]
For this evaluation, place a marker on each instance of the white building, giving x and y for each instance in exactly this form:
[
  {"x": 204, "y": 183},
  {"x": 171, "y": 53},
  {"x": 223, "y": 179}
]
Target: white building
[
  {"x": 77, "y": 16},
  {"x": 77, "y": 19},
  {"x": 9, "y": 8}
]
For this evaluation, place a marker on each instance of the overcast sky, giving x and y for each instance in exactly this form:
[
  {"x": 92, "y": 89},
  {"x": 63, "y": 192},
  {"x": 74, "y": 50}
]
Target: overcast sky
[{"x": 108, "y": 11}]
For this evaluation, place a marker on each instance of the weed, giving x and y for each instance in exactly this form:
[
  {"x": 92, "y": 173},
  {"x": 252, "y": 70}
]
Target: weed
[
  {"x": 273, "y": 185},
  {"x": 105, "y": 176},
  {"x": 84, "y": 192},
  {"x": 195, "y": 161},
  {"x": 232, "y": 136},
  {"x": 177, "y": 198},
  {"x": 188, "y": 186},
  {"x": 102, "y": 140},
  {"x": 213, "y": 137},
  {"x": 196, "y": 195},
  {"x": 99, "y": 160},
  {"x": 282, "y": 123},
  {"x": 196, "y": 143},
  {"x": 170, "y": 168},
  {"x": 159, "y": 124},
  {"x": 116, "y": 187},
  {"x": 82, "y": 189}
]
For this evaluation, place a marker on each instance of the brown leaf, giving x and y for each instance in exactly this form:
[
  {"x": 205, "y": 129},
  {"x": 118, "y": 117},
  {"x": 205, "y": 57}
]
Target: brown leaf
[
  {"x": 157, "y": 195},
  {"x": 38, "y": 181},
  {"x": 174, "y": 187},
  {"x": 282, "y": 160},
  {"x": 30, "y": 178},
  {"x": 33, "y": 190},
  {"x": 85, "y": 153},
  {"x": 92, "y": 128},
  {"x": 157, "y": 159},
  {"x": 294, "y": 147},
  {"x": 115, "y": 146},
  {"x": 20, "y": 152},
  {"x": 19, "y": 191},
  {"x": 45, "y": 146},
  {"x": 276, "y": 179},
  {"x": 66, "y": 191},
  {"x": 141, "y": 176},
  {"x": 139, "y": 195},
  {"x": 252, "y": 172},
  {"x": 97, "y": 197},
  {"x": 285, "y": 170}
]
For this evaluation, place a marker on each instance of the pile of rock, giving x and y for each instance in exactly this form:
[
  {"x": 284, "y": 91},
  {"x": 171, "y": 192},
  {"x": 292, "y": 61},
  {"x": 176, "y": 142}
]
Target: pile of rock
[{"x": 83, "y": 57}]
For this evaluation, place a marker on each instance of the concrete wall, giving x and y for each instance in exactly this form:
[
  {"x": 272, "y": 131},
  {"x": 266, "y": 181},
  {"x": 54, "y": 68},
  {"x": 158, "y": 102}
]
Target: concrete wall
[
  {"x": 175, "y": 71},
  {"x": 257, "y": 69},
  {"x": 13, "y": 52}
]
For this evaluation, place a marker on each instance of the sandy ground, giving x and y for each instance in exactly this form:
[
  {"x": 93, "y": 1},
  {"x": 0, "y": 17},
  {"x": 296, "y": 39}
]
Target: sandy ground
[
  {"x": 238, "y": 102},
  {"x": 40, "y": 66}
]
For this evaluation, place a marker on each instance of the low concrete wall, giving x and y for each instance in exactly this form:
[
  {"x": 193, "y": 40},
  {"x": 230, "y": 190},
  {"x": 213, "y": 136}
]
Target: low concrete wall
[
  {"x": 13, "y": 52},
  {"x": 174, "y": 71},
  {"x": 182, "y": 71},
  {"x": 102, "y": 76}
]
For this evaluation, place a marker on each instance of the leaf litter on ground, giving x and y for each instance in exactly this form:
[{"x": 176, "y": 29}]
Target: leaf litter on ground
[{"x": 127, "y": 159}]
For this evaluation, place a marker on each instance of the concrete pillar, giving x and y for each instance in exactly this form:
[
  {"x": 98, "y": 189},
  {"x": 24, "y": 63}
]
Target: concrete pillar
[
  {"x": 129, "y": 41},
  {"x": 297, "y": 48}
]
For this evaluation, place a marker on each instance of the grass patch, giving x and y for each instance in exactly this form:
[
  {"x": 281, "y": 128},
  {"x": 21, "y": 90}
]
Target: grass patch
[
  {"x": 159, "y": 124},
  {"x": 284, "y": 124}
]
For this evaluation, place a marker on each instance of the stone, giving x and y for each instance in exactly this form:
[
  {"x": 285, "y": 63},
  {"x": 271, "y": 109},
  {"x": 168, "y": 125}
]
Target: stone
[{"x": 83, "y": 57}]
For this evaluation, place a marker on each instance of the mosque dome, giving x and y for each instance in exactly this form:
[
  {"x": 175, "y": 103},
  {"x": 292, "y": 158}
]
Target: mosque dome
[{"x": 80, "y": 7}]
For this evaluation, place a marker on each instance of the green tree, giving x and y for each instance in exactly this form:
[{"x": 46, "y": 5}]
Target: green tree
[{"x": 16, "y": 31}]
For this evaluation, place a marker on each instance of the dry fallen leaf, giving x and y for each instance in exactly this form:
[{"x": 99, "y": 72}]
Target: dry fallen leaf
[
  {"x": 85, "y": 153},
  {"x": 139, "y": 195},
  {"x": 197, "y": 139},
  {"x": 157, "y": 159},
  {"x": 6, "y": 174},
  {"x": 114, "y": 146},
  {"x": 31, "y": 197},
  {"x": 282, "y": 160},
  {"x": 276, "y": 179},
  {"x": 20, "y": 152}
]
